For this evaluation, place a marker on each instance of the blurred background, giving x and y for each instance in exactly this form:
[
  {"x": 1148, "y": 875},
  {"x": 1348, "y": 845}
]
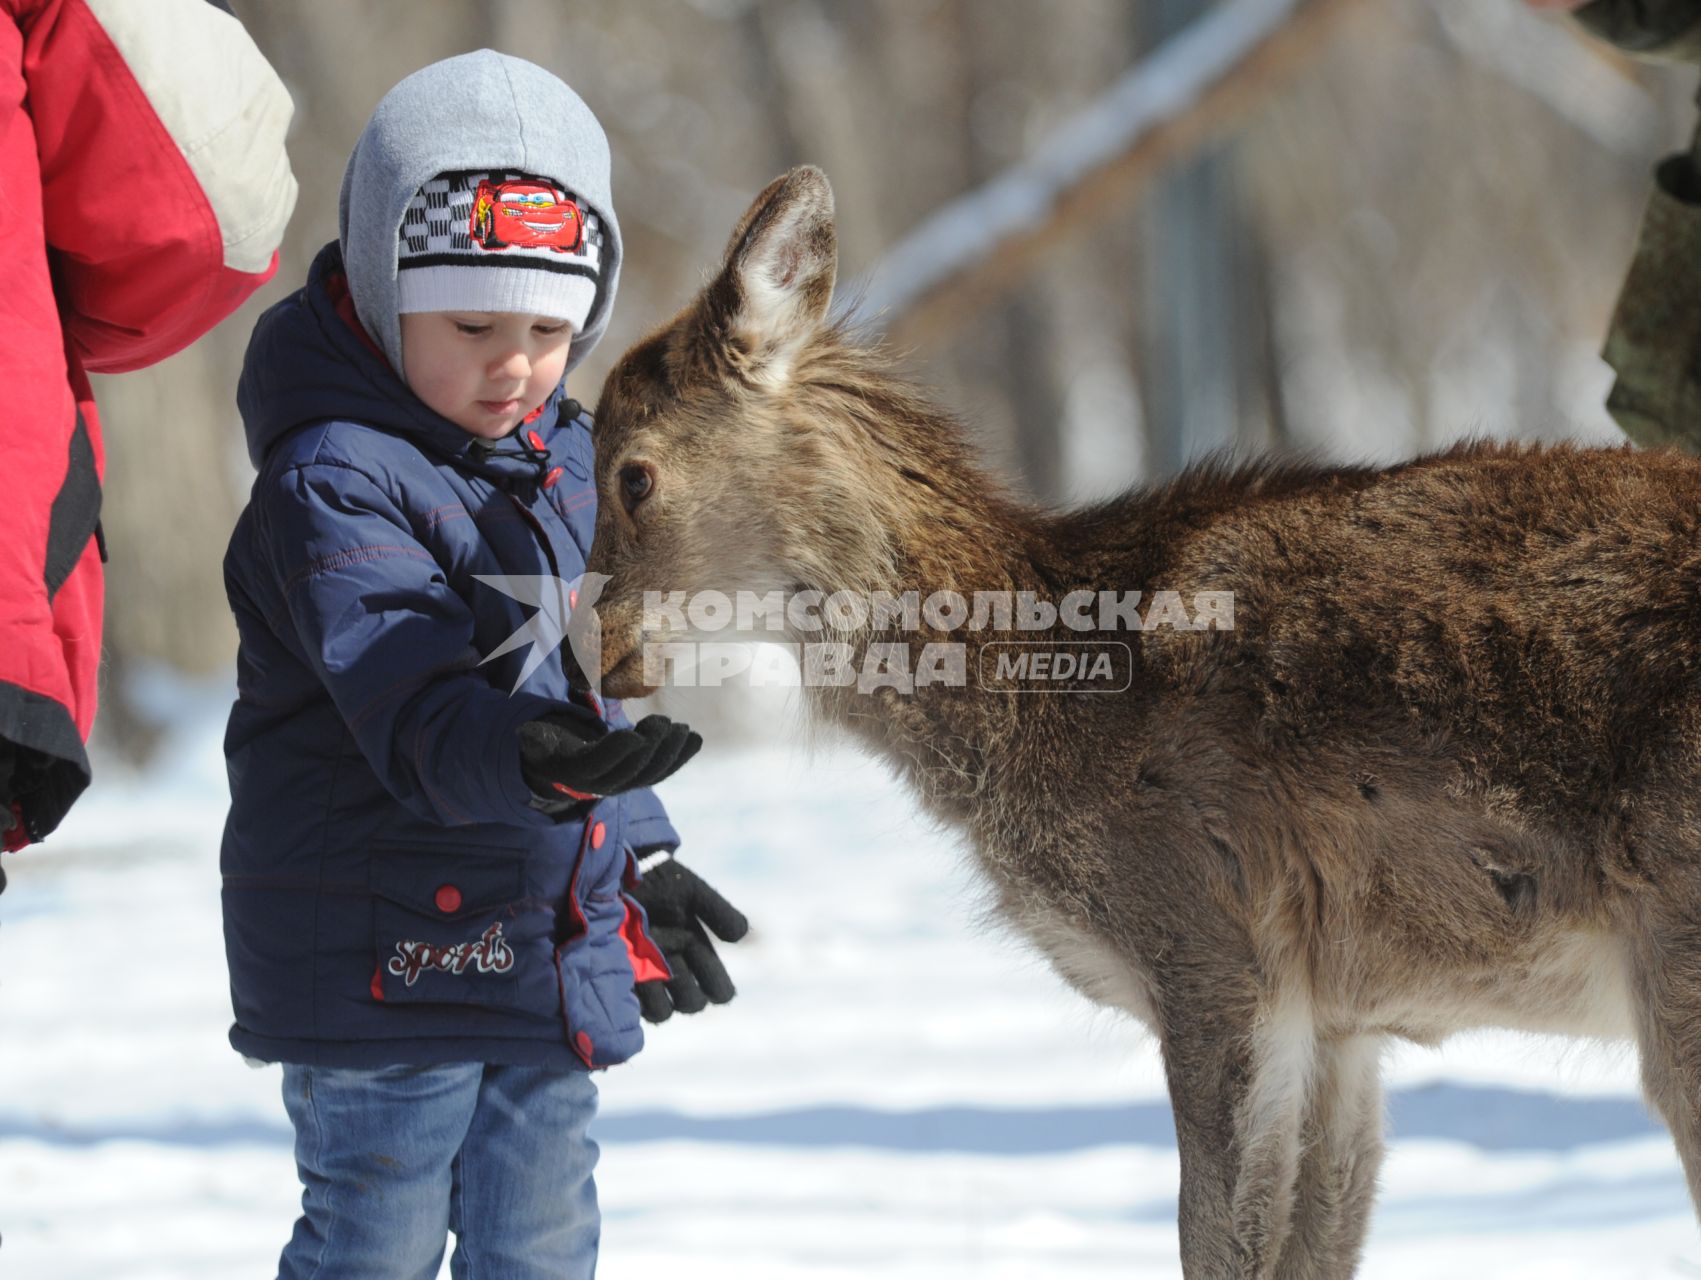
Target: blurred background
[
  {"x": 1393, "y": 223},
  {"x": 1414, "y": 232}
]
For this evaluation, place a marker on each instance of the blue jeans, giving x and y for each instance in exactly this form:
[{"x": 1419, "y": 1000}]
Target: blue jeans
[{"x": 393, "y": 1159}]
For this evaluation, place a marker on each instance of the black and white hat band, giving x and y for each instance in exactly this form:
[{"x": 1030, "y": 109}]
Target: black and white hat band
[{"x": 499, "y": 241}]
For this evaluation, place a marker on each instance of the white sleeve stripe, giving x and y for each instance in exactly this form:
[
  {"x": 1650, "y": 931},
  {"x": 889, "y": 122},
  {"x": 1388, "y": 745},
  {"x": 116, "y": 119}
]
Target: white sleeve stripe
[{"x": 221, "y": 101}]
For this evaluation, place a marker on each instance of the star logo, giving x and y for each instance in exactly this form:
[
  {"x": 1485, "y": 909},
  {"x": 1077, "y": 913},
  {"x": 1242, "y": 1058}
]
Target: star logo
[{"x": 565, "y": 611}]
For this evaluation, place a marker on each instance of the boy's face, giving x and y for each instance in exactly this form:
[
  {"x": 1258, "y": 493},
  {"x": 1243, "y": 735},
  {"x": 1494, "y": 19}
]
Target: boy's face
[{"x": 483, "y": 370}]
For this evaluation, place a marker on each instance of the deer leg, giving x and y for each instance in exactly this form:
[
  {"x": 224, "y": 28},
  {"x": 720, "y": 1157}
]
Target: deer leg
[
  {"x": 1666, "y": 990},
  {"x": 1238, "y": 1084},
  {"x": 1342, "y": 1136}
]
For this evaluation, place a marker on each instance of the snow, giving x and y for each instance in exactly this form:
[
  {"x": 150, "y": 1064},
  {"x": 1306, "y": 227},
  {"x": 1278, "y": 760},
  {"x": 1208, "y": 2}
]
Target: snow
[{"x": 897, "y": 1087}]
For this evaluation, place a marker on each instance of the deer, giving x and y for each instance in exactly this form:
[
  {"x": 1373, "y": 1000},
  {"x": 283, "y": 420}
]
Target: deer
[{"x": 1442, "y": 772}]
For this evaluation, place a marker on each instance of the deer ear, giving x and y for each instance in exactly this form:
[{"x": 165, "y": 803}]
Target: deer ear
[{"x": 777, "y": 281}]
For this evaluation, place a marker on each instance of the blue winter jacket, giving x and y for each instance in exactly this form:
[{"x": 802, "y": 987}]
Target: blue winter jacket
[{"x": 391, "y": 894}]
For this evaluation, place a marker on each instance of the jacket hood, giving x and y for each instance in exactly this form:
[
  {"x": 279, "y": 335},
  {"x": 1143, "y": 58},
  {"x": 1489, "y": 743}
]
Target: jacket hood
[
  {"x": 307, "y": 363},
  {"x": 478, "y": 111}
]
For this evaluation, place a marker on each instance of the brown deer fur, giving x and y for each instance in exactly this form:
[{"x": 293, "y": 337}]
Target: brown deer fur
[{"x": 1444, "y": 771}]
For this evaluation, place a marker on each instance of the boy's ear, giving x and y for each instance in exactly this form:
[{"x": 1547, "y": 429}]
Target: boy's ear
[{"x": 777, "y": 281}]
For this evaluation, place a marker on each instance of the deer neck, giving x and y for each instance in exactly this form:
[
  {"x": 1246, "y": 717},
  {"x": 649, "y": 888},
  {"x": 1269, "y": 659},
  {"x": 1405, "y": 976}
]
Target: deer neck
[{"x": 902, "y": 513}]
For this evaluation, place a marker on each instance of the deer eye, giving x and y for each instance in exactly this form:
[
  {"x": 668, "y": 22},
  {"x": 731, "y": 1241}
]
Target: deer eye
[{"x": 636, "y": 481}]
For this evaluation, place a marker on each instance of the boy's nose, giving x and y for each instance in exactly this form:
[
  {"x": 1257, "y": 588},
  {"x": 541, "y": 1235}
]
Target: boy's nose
[{"x": 512, "y": 365}]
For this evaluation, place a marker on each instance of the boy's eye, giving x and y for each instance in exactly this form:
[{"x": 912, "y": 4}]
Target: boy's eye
[
  {"x": 471, "y": 330},
  {"x": 549, "y": 330}
]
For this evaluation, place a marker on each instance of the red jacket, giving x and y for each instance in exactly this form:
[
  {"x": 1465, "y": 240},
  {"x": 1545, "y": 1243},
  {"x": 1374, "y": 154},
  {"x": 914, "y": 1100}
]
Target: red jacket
[{"x": 143, "y": 193}]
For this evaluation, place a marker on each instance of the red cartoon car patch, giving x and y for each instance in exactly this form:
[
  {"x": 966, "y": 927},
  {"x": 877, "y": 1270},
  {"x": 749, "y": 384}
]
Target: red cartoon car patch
[{"x": 530, "y": 214}]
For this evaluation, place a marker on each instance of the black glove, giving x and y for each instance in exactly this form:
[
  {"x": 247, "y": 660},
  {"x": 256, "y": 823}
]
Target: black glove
[
  {"x": 679, "y": 904},
  {"x": 572, "y": 755}
]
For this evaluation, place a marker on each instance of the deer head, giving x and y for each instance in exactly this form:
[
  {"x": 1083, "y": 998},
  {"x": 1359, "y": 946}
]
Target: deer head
[{"x": 719, "y": 466}]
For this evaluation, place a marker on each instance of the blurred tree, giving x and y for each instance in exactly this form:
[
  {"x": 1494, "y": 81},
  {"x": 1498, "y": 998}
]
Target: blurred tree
[
  {"x": 1420, "y": 236},
  {"x": 1201, "y": 349}
]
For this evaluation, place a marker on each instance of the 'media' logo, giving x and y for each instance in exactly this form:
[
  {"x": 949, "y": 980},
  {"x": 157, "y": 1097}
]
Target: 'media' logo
[{"x": 1044, "y": 666}]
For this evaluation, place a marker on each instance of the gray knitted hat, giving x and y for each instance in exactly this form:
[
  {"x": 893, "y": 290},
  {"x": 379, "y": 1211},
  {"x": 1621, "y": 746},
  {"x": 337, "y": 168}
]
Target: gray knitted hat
[{"x": 414, "y": 236}]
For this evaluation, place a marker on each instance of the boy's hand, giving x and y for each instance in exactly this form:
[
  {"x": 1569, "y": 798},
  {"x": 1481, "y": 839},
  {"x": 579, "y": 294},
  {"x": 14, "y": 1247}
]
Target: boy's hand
[
  {"x": 678, "y": 905},
  {"x": 569, "y": 755}
]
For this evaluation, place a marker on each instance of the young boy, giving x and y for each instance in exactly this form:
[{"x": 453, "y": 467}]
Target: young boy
[{"x": 430, "y": 866}]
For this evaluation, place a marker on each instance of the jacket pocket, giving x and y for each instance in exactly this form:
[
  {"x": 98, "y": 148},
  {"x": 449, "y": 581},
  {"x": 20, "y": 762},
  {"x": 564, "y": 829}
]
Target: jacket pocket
[{"x": 453, "y": 927}]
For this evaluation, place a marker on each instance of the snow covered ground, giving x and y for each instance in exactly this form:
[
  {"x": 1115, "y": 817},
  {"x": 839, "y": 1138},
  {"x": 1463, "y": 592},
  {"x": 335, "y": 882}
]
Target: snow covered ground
[{"x": 897, "y": 1089}]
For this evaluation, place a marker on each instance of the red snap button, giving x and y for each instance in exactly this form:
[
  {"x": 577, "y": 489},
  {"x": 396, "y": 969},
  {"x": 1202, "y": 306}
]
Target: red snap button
[
  {"x": 535, "y": 438},
  {"x": 448, "y": 899},
  {"x": 586, "y": 1048},
  {"x": 554, "y": 475},
  {"x": 573, "y": 598},
  {"x": 597, "y": 834}
]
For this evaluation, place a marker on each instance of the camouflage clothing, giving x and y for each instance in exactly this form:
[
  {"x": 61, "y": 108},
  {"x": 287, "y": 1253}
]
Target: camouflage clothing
[
  {"x": 1666, "y": 29},
  {"x": 1654, "y": 342}
]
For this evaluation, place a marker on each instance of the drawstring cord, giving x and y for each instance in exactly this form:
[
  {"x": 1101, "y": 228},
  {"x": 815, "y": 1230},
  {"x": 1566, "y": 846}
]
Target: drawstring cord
[{"x": 537, "y": 455}]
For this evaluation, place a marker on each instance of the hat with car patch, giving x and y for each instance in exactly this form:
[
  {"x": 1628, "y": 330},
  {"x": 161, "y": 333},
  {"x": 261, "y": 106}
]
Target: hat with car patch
[
  {"x": 406, "y": 220},
  {"x": 499, "y": 241}
]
